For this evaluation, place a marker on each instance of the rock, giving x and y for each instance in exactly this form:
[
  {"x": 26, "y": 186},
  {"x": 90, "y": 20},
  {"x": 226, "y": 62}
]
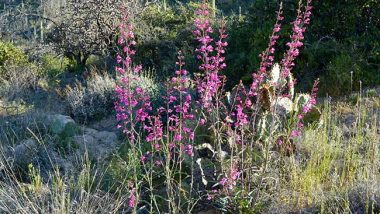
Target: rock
[
  {"x": 24, "y": 153},
  {"x": 98, "y": 144},
  {"x": 64, "y": 164},
  {"x": 58, "y": 122},
  {"x": 106, "y": 124},
  {"x": 42, "y": 157},
  {"x": 349, "y": 120},
  {"x": 212, "y": 211},
  {"x": 347, "y": 132}
]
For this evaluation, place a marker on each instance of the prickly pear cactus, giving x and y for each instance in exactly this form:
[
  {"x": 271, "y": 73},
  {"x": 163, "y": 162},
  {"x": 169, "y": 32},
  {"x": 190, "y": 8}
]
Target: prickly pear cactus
[
  {"x": 277, "y": 82},
  {"x": 279, "y": 103},
  {"x": 300, "y": 101},
  {"x": 283, "y": 106},
  {"x": 275, "y": 74},
  {"x": 315, "y": 113},
  {"x": 266, "y": 126},
  {"x": 313, "y": 116}
]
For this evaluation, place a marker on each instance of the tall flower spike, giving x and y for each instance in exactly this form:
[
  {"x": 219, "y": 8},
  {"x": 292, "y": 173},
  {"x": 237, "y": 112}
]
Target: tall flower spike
[
  {"x": 306, "y": 109},
  {"x": 299, "y": 27},
  {"x": 211, "y": 56},
  {"x": 133, "y": 103},
  {"x": 266, "y": 56},
  {"x": 179, "y": 102}
]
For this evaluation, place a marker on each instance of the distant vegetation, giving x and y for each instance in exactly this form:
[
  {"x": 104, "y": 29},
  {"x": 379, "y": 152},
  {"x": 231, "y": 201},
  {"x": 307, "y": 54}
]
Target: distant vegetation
[
  {"x": 219, "y": 106},
  {"x": 343, "y": 38}
]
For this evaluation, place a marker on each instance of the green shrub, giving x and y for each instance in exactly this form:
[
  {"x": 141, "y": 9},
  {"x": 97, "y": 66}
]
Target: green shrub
[
  {"x": 63, "y": 142},
  {"x": 337, "y": 28},
  {"x": 354, "y": 98},
  {"x": 95, "y": 61},
  {"x": 53, "y": 66},
  {"x": 11, "y": 54},
  {"x": 94, "y": 99},
  {"x": 171, "y": 21},
  {"x": 337, "y": 79},
  {"x": 91, "y": 100},
  {"x": 371, "y": 93},
  {"x": 162, "y": 33},
  {"x": 18, "y": 76},
  {"x": 17, "y": 81}
]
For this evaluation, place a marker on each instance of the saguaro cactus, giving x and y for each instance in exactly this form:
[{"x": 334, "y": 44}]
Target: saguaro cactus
[
  {"x": 42, "y": 22},
  {"x": 213, "y": 2},
  {"x": 164, "y": 4}
]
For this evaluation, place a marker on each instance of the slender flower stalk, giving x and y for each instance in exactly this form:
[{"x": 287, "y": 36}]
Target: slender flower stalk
[
  {"x": 210, "y": 54},
  {"x": 299, "y": 28},
  {"x": 180, "y": 102},
  {"x": 133, "y": 103},
  {"x": 267, "y": 56},
  {"x": 306, "y": 108}
]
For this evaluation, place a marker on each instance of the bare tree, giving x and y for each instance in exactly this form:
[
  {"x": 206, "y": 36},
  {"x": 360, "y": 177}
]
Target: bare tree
[
  {"x": 75, "y": 28},
  {"x": 89, "y": 27},
  {"x": 27, "y": 19}
]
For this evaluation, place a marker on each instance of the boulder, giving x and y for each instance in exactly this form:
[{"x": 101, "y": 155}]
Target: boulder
[
  {"x": 98, "y": 144},
  {"x": 57, "y": 122},
  {"x": 349, "y": 120},
  {"x": 24, "y": 153}
]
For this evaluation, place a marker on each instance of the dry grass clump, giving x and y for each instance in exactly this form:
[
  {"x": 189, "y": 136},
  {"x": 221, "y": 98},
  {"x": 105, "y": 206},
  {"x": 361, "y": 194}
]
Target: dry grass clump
[
  {"x": 79, "y": 193},
  {"x": 18, "y": 81},
  {"x": 93, "y": 99},
  {"x": 337, "y": 166}
]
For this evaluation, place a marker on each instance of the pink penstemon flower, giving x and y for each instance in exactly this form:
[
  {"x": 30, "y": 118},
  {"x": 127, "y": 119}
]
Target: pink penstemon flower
[
  {"x": 132, "y": 198},
  {"x": 188, "y": 149},
  {"x": 155, "y": 130},
  {"x": 305, "y": 109},
  {"x": 267, "y": 56},
  {"x": 230, "y": 181},
  {"x": 176, "y": 137},
  {"x": 133, "y": 104},
  {"x": 299, "y": 27},
  {"x": 180, "y": 101},
  {"x": 210, "y": 53}
]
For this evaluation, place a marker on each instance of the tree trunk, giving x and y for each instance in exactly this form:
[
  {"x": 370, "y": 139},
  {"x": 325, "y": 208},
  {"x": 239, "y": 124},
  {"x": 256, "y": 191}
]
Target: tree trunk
[{"x": 81, "y": 59}]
